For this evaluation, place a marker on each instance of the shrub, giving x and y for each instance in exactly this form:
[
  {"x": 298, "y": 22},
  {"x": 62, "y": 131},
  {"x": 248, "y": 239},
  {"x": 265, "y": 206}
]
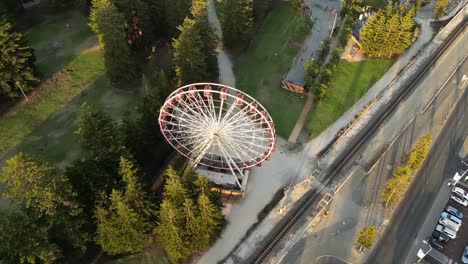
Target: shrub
[{"x": 365, "y": 238}]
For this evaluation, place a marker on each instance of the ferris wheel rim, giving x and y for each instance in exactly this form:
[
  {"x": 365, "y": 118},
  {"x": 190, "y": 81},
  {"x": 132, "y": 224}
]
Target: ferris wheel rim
[{"x": 260, "y": 110}]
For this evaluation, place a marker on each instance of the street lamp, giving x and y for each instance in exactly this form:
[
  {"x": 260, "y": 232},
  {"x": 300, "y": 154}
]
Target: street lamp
[
  {"x": 421, "y": 254},
  {"x": 19, "y": 86}
]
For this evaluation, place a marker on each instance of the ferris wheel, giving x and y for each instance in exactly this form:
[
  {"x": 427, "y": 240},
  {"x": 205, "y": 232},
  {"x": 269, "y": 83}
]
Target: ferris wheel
[{"x": 217, "y": 126}]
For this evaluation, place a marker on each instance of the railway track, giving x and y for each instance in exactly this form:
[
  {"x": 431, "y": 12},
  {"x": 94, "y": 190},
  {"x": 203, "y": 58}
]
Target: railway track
[{"x": 312, "y": 197}]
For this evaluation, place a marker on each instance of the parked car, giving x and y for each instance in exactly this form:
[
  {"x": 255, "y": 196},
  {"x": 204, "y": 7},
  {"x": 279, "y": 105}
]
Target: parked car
[
  {"x": 460, "y": 192},
  {"x": 435, "y": 244},
  {"x": 440, "y": 236},
  {"x": 459, "y": 199},
  {"x": 454, "y": 211},
  {"x": 450, "y": 221},
  {"x": 449, "y": 232},
  {"x": 464, "y": 257}
]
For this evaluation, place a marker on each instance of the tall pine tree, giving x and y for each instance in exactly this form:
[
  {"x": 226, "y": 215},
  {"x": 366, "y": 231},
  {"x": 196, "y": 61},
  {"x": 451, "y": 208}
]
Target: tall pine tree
[
  {"x": 17, "y": 69},
  {"x": 189, "y": 59},
  {"x": 388, "y": 33},
  {"x": 260, "y": 9},
  {"x": 237, "y": 22},
  {"x": 175, "y": 11},
  {"x": 109, "y": 25},
  {"x": 138, "y": 21},
  {"x": 123, "y": 219}
]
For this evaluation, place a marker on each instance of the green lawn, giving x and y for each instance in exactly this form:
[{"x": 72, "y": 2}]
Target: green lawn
[
  {"x": 45, "y": 126},
  {"x": 258, "y": 71},
  {"x": 350, "y": 83},
  {"x": 55, "y": 44}
]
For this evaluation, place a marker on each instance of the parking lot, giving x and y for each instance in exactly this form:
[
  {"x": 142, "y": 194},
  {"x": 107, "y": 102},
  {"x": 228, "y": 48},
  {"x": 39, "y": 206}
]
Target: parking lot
[{"x": 453, "y": 248}]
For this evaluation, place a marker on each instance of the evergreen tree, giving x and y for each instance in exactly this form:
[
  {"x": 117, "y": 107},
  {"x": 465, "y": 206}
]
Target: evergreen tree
[
  {"x": 169, "y": 231},
  {"x": 174, "y": 190},
  {"x": 90, "y": 177},
  {"x": 260, "y": 8},
  {"x": 195, "y": 56},
  {"x": 237, "y": 22},
  {"x": 109, "y": 26},
  {"x": 24, "y": 241},
  {"x": 120, "y": 229},
  {"x": 38, "y": 186},
  {"x": 388, "y": 33},
  {"x": 209, "y": 37},
  {"x": 17, "y": 69},
  {"x": 123, "y": 220},
  {"x": 156, "y": 9},
  {"x": 138, "y": 21},
  {"x": 175, "y": 12},
  {"x": 210, "y": 220},
  {"x": 189, "y": 59},
  {"x": 141, "y": 134},
  {"x": 46, "y": 195},
  {"x": 98, "y": 133},
  {"x": 191, "y": 234}
]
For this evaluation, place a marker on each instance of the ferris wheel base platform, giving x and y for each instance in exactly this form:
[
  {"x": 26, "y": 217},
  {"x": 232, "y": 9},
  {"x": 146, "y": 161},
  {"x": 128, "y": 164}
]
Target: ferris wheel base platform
[{"x": 225, "y": 180}]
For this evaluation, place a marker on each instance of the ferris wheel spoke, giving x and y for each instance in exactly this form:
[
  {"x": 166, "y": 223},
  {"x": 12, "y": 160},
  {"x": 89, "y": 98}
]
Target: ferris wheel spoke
[
  {"x": 194, "y": 122},
  {"x": 228, "y": 118},
  {"x": 201, "y": 109},
  {"x": 207, "y": 105},
  {"x": 246, "y": 143},
  {"x": 201, "y": 115},
  {"x": 239, "y": 150}
]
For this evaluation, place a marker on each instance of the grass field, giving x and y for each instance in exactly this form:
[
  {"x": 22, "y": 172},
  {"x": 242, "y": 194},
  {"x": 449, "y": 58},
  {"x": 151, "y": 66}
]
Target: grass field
[
  {"x": 45, "y": 126},
  {"x": 350, "y": 83},
  {"x": 55, "y": 44},
  {"x": 259, "y": 71}
]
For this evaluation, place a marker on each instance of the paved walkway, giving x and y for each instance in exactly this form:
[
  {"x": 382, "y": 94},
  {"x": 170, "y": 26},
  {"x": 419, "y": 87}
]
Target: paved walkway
[
  {"x": 226, "y": 74},
  {"x": 302, "y": 119},
  {"x": 323, "y": 22},
  {"x": 263, "y": 181}
]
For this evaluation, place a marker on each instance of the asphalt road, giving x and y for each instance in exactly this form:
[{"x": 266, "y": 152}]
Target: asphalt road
[{"x": 441, "y": 163}]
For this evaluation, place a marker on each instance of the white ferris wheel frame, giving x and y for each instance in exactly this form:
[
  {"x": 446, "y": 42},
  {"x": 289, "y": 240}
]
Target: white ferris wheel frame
[{"x": 234, "y": 128}]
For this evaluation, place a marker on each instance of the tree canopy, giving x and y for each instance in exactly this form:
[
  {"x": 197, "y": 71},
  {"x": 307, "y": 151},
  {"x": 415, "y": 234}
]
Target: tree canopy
[
  {"x": 123, "y": 218},
  {"x": 109, "y": 25},
  {"x": 188, "y": 219},
  {"x": 389, "y": 32},
  {"x": 24, "y": 241},
  {"x": 237, "y": 22},
  {"x": 17, "y": 70}
]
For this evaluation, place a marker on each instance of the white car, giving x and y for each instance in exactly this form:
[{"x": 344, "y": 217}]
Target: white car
[
  {"x": 449, "y": 232},
  {"x": 450, "y": 221},
  {"x": 464, "y": 257},
  {"x": 460, "y": 192},
  {"x": 459, "y": 199}
]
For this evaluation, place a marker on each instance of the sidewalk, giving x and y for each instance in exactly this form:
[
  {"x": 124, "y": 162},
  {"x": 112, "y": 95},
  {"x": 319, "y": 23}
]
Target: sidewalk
[
  {"x": 323, "y": 22},
  {"x": 226, "y": 74}
]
